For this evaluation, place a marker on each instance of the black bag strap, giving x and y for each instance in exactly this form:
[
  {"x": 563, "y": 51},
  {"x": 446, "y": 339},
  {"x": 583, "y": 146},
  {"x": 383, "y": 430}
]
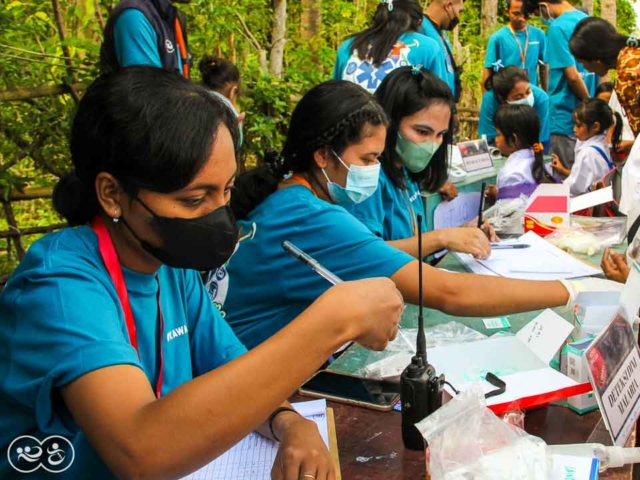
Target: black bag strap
[{"x": 633, "y": 230}]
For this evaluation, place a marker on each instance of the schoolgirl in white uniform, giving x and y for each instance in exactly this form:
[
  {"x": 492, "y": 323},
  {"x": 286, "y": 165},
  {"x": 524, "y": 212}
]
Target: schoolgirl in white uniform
[{"x": 592, "y": 118}]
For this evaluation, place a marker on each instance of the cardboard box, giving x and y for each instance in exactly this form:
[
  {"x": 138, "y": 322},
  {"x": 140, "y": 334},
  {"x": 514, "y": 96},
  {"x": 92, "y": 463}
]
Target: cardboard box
[
  {"x": 593, "y": 311},
  {"x": 550, "y": 207},
  {"x": 575, "y": 366},
  {"x": 522, "y": 361}
]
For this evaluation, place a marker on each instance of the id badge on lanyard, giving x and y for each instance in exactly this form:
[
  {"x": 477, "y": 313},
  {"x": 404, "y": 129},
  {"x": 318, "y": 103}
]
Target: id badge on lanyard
[{"x": 112, "y": 263}]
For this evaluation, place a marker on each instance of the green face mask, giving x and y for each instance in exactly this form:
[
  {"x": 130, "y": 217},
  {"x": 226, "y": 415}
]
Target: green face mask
[{"x": 415, "y": 156}]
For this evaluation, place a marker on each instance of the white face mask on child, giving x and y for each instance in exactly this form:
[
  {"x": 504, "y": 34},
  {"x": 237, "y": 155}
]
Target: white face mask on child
[{"x": 528, "y": 100}]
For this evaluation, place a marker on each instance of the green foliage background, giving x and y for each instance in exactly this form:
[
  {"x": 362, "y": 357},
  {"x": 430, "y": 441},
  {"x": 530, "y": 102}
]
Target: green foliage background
[{"x": 33, "y": 133}]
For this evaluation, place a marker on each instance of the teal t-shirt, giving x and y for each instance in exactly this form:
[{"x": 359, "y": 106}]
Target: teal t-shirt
[
  {"x": 60, "y": 318},
  {"x": 410, "y": 49},
  {"x": 136, "y": 42},
  {"x": 264, "y": 288},
  {"x": 502, "y": 46},
  {"x": 562, "y": 100},
  {"x": 490, "y": 106},
  {"x": 427, "y": 29},
  {"x": 391, "y": 212}
]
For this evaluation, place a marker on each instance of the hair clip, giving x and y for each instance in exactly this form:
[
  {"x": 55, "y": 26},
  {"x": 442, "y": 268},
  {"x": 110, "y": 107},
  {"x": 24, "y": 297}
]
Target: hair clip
[
  {"x": 416, "y": 69},
  {"x": 538, "y": 147},
  {"x": 389, "y": 3},
  {"x": 632, "y": 41},
  {"x": 497, "y": 65}
]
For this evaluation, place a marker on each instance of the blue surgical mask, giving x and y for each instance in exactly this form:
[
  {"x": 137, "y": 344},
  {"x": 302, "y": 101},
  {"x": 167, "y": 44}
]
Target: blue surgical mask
[
  {"x": 546, "y": 19},
  {"x": 362, "y": 182},
  {"x": 528, "y": 100},
  {"x": 416, "y": 156}
]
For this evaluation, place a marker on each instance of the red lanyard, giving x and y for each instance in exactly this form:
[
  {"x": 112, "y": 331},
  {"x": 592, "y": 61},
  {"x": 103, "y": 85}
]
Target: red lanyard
[
  {"x": 111, "y": 261},
  {"x": 523, "y": 55},
  {"x": 182, "y": 47}
]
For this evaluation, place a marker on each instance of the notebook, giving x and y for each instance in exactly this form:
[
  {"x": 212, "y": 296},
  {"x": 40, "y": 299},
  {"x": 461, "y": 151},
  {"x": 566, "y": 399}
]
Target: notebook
[{"x": 253, "y": 457}]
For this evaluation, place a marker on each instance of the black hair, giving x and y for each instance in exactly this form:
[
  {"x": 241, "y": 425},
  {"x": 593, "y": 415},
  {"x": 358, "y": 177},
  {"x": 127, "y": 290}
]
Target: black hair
[
  {"x": 594, "y": 110},
  {"x": 331, "y": 116},
  {"x": 376, "y": 42},
  {"x": 607, "y": 46},
  {"x": 508, "y": 5},
  {"x": 520, "y": 125},
  {"x": 218, "y": 72},
  {"x": 404, "y": 92},
  {"x": 604, "y": 87},
  {"x": 150, "y": 128},
  {"x": 531, "y": 6},
  {"x": 502, "y": 81}
]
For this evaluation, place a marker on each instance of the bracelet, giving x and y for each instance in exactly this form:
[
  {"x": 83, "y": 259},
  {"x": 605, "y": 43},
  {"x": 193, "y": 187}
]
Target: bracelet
[{"x": 273, "y": 416}]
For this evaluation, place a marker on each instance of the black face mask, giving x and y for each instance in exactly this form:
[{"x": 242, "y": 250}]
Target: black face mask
[
  {"x": 203, "y": 243},
  {"x": 453, "y": 22}
]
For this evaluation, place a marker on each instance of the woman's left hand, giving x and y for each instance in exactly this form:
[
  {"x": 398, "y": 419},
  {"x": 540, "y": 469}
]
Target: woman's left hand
[{"x": 303, "y": 454}]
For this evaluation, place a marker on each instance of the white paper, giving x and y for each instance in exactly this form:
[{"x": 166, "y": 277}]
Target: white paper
[
  {"x": 565, "y": 467},
  {"x": 591, "y": 199},
  {"x": 253, "y": 457},
  {"x": 630, "y": 296},
  {"x": 457, "y": 212},
  {"x": 541, "y": 261},
  {"x": 545, "y": 334}
]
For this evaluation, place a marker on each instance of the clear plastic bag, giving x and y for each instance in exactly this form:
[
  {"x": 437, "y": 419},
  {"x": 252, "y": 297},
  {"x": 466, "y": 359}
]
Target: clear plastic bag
[
  {"x": 507, "y": 216},
  {"x": 467, "y": 441},
  {"x": 390, "y": 363},
  {"x": 589, "y": 235}
]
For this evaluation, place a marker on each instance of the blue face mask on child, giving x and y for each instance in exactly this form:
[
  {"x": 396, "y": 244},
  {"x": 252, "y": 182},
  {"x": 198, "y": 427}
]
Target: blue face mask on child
[
  {"x": 362, "y": 182},
  {"x": 528, "y": 100}
]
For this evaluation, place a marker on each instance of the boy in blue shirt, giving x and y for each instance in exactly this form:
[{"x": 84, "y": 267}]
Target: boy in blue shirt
[
  {"x": 569, "y": 81},
  {"x": 518, "y": 44},
  {"x": 146, "y": 32},
  {"x": 440, "y": 16}
]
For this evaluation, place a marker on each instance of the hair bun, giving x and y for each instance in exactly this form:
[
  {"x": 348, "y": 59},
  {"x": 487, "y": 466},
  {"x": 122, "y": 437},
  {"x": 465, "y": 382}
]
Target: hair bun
[
  {"x": 208, "y": 63},
  {"x": 74, "y": 201},
  {"x": 276, "y": 163}
]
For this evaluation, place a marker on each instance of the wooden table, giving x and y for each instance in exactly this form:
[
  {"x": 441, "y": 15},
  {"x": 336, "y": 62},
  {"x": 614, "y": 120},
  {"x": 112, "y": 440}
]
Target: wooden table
[{"x": 370, "y": 442}]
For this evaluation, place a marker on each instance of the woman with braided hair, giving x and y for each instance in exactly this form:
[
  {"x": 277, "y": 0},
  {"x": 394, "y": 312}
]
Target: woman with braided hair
[
  {"x": 330, "y": 158},
  {"x": 415, "y": 158}
]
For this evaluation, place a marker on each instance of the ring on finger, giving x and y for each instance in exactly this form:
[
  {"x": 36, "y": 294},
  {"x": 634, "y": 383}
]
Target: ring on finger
[{"x": 308, "y": 475}]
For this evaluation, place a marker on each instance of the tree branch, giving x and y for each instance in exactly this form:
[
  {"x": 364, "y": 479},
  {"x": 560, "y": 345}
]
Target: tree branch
[
  {"x": 65, "y": 49},
  {"x": 30, "y": 52},
  {"x": 262, "y": 53},
  {"x": 20, "y": 94}
]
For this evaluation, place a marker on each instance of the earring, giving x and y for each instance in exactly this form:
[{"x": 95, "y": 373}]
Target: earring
[{"x": 116, "y": 219}]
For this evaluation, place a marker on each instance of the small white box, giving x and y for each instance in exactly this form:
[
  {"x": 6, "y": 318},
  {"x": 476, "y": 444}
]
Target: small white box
[
  {"x": 593, "y": 312},
  {"x": 575, "y": 366}
]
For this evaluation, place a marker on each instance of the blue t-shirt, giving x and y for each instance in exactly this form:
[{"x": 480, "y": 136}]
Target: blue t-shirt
[
  {"x": 410, "y": 49},
  {"x": 391, "y": 212},
  {"x": 135, "y": 40},
  {"x": 490, "y": 106},
  {"x": 427, "y": 29},
  {"x": 502, "y": 46},
  {"x": 562, "y": 100},
  {"x": 266, "y": 288},
  {"x": 60, "y": 318}
]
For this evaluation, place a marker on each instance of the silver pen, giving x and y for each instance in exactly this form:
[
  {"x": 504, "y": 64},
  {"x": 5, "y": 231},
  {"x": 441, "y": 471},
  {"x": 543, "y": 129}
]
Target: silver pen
[{"x": 311, "y": 262}]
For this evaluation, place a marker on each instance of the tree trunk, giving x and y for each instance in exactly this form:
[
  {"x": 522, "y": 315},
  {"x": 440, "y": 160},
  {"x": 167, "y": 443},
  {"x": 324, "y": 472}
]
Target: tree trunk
[
  {"x": 311, "y": 19},
  {"x": 278, "y": 33},
  {"x": 489, "y": 16},
  {"x": 588, "y": 6},
  {"x": 609, "y": 11}
]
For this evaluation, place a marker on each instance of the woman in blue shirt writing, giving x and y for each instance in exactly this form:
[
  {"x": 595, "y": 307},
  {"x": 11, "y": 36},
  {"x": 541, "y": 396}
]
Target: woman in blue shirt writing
[
  {"x": 419, "y": 106},
  {"x": 109, "y": 339},
  {"x": 511, "y": 86},
  {"x": 330, "y": 158},
  {"x": 393, "y": 41}
]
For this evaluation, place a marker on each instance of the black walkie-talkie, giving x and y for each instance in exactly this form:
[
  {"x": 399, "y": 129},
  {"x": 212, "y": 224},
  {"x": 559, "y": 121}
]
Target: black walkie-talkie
[{"x": 420, "y": 387}]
